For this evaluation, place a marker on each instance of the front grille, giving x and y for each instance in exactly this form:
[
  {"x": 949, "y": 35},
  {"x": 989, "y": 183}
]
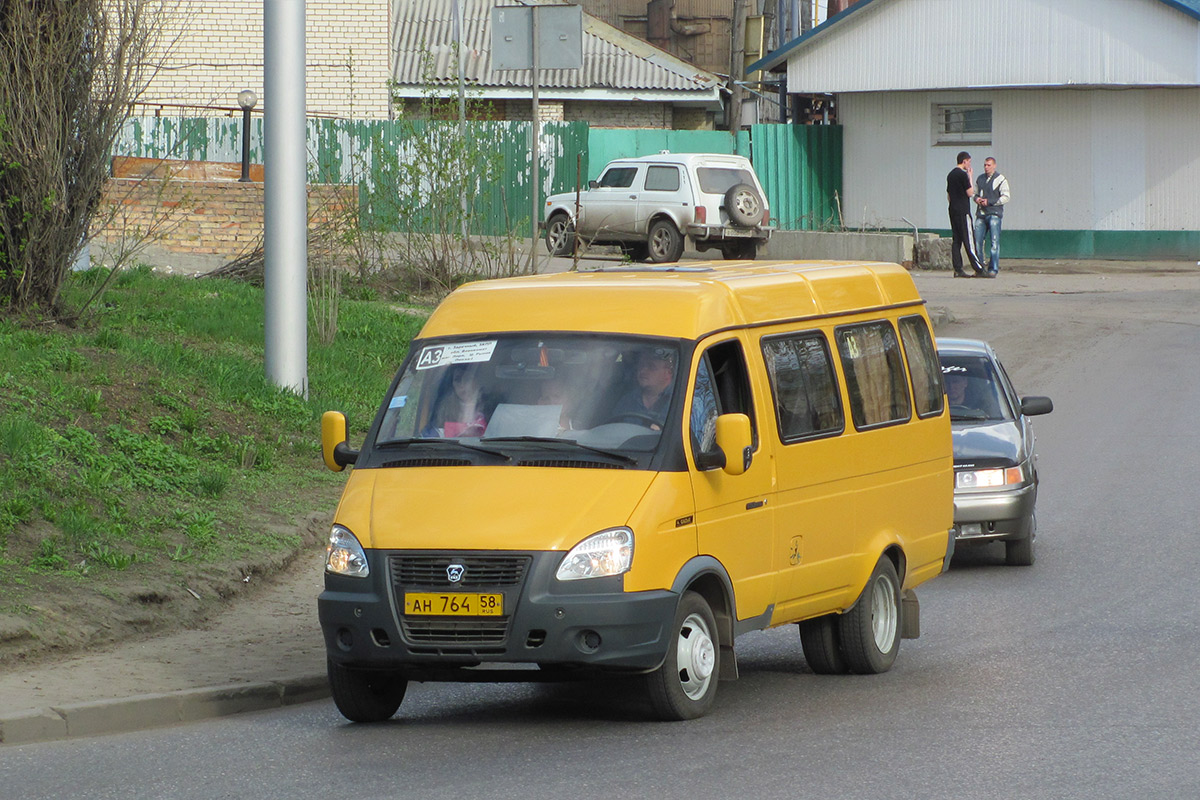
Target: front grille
[
  {"x": 568, "y": 463},
  {"x": 427, "y": 462},
  {"x": 455, "y": 633},
  {"x": 479, "y": 571}
]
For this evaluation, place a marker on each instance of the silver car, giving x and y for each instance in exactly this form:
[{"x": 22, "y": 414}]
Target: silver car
[
  {"x": 995, "y": 462},
  {"x": 652, "y": 206}
]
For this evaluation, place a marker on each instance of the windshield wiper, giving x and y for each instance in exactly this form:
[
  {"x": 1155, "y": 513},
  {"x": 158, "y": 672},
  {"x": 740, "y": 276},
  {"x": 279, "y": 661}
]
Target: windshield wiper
[
  {"x": 443, "y": 442},
  {"x": 571, "y": 443}
]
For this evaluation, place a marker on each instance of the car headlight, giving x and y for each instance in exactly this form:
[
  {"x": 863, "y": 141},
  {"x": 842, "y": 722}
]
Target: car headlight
[
  {"x": 344, "y": 555},
  {"x": 996, "y": 478},
  {"x": 600, "y": 555}
]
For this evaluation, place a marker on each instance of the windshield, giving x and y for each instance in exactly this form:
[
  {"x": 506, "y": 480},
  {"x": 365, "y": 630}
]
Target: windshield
[
  {"x": 584, "y": 392},
  {"x": 973, "y": 389}
]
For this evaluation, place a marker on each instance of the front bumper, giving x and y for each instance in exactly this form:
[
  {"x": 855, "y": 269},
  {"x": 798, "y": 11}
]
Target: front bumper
[
  {"x": 588, "y": 623},
  {"x": 713, "y": 233},
  {"x": 998, "y": 515}
]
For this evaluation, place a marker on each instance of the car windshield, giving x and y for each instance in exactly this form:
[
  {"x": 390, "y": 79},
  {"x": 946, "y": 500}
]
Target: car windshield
[
  {"x": 973, "y": 389},
  {"x": 603, "y": 395}
]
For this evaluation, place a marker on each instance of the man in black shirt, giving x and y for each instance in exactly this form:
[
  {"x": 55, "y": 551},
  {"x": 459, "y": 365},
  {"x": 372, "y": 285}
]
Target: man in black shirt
[{"x": 959, "y": 190}]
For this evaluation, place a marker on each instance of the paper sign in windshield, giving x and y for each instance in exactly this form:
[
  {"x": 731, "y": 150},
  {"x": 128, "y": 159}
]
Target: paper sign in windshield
[{"x": 459, "y": 353}]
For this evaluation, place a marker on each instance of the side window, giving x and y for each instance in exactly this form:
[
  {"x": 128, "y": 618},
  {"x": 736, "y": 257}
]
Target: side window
[
  {"x": 662, "y": 179},
  {"x": 874, "y": 373},
  {"x": 923, "y": 366},
  {"x": 722, "y": 387},
  {"x": 618, "y": 177},
  {"x": 803, "y": 383}
]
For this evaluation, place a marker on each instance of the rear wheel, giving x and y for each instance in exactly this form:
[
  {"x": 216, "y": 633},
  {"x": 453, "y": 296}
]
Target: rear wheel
[
  {"x": 870, "y": 630},
  {"x": 666, "y": 242},
  {"x": 365, "y": 695},
  {"x": 822, "y": 648},
  {"x": 560, "y": 235},
  {"x": 686, "y": 683}
]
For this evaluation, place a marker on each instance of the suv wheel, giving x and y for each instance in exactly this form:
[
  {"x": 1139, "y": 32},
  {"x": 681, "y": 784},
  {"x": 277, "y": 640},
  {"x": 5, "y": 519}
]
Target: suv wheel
[
  {"x": 560, "y": 235},
  {"x": 744, "y": 206},
  {"x": 666, "y": 243}
]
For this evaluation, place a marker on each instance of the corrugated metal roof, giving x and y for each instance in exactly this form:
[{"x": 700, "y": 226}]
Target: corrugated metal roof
[
  {"x": 777, "y": 57},
  {"x": 423, "y": 54}
]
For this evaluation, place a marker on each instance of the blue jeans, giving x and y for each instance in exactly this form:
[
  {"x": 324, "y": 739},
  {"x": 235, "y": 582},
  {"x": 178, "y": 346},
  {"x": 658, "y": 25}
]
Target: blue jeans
[{"x": 988, "y": 225}]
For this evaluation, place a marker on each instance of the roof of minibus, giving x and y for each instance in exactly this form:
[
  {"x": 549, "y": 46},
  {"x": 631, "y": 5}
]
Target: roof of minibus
[{"x": 677, "y": 300}]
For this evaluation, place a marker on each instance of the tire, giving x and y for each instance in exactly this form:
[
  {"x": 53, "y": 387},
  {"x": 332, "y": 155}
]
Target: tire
[
  {"x": 686, "y": 683},
  {"x": 666, "y": 242},
  {"x": 740, "y": 250},
  {"x": 822, "y": 645},
  {"x": 743, "y": 205},
  {"x": 1019, "y": 552},
  {"x": 870, "y": 630},
  {"x": 560, "y": 235},
  {"x": 365, "y": 695}
]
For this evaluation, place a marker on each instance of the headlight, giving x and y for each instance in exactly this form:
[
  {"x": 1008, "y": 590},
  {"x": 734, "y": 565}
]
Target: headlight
[
  {"x": 600, "y": 555},
  {"x": 344, "y": 555},
  {"x": 988, "y": 478}
]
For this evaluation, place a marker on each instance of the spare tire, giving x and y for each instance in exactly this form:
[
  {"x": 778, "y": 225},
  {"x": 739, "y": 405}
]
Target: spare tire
[{"x": 744, "y": 206}]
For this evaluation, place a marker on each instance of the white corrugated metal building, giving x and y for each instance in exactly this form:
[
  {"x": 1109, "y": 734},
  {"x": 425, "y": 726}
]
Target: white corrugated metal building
[{"x": 1090, "y": 107}]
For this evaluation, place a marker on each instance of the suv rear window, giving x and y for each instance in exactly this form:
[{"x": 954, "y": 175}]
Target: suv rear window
[{"x": 719, "y": 180}]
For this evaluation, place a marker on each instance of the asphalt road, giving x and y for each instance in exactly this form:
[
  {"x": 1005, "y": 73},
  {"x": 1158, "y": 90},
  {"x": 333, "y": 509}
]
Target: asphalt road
[{"x": 1074, "y": 678}]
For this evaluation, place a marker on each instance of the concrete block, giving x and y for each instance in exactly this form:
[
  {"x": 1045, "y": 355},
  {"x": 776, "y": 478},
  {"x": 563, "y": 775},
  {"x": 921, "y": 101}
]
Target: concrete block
[
  {"x": 42, "y": 725},
  {"x": 120, "y": 715},
  {"x": 219, "y": 701},
  {"x": 840, "y": 246}
]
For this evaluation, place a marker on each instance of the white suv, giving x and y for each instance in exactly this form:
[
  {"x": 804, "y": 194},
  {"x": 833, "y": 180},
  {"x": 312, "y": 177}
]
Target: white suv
[{"x": 647, "y": 205}]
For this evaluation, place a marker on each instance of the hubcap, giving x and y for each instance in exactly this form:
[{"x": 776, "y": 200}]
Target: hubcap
[
  {"x": 696, "y": 656},
  {"x": 747, "y": 204},
  {"x": 884, "y": 614}
]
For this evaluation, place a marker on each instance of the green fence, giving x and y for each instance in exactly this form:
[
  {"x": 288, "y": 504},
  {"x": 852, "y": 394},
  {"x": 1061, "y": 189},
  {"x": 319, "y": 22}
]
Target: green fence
[{"x": 403, "y": 168}]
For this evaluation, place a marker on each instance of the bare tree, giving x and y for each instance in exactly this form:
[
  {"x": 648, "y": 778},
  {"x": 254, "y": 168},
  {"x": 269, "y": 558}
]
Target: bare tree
[{"x": 69, "y": 73}]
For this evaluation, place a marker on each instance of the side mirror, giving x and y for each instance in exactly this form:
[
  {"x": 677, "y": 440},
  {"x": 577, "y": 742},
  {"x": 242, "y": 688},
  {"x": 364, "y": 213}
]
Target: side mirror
[
  {"x": 593, "y": 184},
  {"x": 1033, "y": 405},
  {"x": 735, "y": 440},
  {"x": 334, "y": 447}
]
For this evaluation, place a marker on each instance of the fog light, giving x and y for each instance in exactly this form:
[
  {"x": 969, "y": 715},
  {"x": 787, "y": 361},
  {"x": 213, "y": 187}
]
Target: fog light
[
  {"x": 345, "y": 639},
  {"x": 589, "y": 641}
]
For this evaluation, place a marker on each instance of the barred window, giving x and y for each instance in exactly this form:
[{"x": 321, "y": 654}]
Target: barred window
[{"x": 962, "y": 124}]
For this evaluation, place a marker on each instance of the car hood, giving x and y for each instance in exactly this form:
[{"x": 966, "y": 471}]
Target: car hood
[
  {"x": 989, "y": 444},
  {"x": 510, "y": 508}
]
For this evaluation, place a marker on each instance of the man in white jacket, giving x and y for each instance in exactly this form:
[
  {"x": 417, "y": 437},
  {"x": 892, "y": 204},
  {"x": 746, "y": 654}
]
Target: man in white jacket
[{"x": 991, "y": 196}]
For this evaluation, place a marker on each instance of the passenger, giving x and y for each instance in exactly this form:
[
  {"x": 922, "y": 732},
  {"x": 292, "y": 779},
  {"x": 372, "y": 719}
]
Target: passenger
[
  {"x": 647, "y": 403},
  {"x": 461, "y": 412}
]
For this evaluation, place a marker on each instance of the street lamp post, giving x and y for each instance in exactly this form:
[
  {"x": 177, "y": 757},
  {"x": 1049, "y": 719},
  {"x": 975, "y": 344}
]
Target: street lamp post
[{"x": 247, "y": 99}]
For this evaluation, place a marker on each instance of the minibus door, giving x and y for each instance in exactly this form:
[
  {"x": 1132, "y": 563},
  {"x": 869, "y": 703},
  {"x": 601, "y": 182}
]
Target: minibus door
[{"x": 734, "y": 513}]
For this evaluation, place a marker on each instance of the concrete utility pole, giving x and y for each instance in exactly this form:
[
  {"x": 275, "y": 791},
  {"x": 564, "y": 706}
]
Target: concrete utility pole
[
  {"x": 737, "y": 69},
  {"x": 285, "y": 212}
]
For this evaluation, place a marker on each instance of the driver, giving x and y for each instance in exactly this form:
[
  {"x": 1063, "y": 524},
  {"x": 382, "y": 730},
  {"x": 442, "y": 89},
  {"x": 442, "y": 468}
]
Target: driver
[
  {"x": 956, "y": 388},
  {"x": 650, "y": 399}
]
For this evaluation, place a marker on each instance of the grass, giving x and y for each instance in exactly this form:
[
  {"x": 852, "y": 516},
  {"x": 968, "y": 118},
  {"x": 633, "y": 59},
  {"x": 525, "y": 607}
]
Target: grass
[{"x": 148, "y": 438}]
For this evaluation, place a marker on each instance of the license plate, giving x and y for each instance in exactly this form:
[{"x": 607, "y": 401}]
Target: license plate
[{"x": 453, "y": 604}]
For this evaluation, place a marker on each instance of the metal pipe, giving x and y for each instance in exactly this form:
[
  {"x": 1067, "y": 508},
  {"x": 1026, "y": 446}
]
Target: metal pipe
[{"x": 285, "y": 241}]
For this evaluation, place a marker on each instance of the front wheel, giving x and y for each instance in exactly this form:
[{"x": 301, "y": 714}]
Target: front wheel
[
  {"x": 686, "y": 683},
  {"x": 665, "y": 243},
  {"x": 365, "y": 695},
  {"x": 1019, "y": 552},
  {"x": 560, "y": 235},
  {"x": 870, "y": 630}
]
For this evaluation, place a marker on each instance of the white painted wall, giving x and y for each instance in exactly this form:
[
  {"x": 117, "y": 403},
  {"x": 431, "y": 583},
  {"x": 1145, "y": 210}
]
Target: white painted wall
[
  {"x": 931, "y": 44},
  {"x": 1076, "y": 159}
]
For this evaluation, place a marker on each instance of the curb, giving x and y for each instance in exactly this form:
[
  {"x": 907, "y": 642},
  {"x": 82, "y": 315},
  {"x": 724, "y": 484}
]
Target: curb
[{"x": 102, "y": 717}]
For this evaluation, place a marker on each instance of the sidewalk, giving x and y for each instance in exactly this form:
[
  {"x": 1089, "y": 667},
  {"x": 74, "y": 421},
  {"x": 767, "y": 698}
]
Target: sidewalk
[{"x": 266, "y": 650}]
